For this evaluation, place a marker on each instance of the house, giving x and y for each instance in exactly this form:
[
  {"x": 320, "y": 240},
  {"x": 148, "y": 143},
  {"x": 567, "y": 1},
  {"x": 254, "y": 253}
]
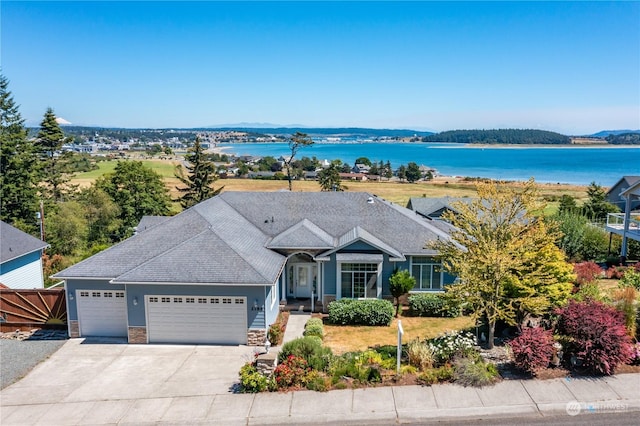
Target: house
[
  {"x": 615, "y": 197},
  {"x": 20, "y": 258},
  {"x": 353, "y": 176},
  {"x": 360, "y": 168},
  {"x": 217, "y": 272},
  {"x": 434, "y": 208},
  {"x": 626, "y": 224}
]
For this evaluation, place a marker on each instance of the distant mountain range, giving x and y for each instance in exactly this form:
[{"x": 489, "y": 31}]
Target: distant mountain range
[
  {"x": 605, "y": 133},
  {"x": 330, "y": 131}
]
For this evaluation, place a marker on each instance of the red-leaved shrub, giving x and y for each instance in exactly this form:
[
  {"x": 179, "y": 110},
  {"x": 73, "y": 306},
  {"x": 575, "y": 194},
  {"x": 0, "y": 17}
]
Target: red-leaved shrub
[
  {"x": 615, "y": 272},
  {"x": 532, "y": 349},
  {"x": 586, "y": 272},
  {"x": 292, "y": 371},
  {"x": 598, "y": 337}
]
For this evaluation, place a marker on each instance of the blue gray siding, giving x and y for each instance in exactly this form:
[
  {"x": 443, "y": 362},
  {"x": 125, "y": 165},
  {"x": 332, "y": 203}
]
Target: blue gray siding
[{"x": 72, "y": 285}]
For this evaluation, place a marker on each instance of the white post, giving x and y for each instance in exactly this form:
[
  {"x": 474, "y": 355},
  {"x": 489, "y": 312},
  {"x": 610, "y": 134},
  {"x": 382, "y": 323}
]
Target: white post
[
  {"x": 313, "y": 302},
  {"x": 399, "y": 352}
]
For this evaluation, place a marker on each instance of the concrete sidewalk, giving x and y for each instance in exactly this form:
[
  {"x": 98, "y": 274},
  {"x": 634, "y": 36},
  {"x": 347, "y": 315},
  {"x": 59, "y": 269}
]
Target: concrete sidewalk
[{"x": 382, "y": 405}]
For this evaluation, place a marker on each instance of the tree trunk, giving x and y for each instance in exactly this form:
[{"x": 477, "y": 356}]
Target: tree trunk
[
  {"x": 397, "y": 307},
  {"x": 492, "y": 330}
]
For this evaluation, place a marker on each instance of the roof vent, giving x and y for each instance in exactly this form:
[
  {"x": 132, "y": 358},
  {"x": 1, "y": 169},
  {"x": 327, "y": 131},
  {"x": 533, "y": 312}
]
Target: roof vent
[{"x": 370, "y": 200}]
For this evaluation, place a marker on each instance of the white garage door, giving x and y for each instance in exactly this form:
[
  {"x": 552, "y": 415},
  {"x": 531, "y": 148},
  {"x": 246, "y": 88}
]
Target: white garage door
[
  {"x": 102, "y": 313},
  {"x": 196, "y": 319}
]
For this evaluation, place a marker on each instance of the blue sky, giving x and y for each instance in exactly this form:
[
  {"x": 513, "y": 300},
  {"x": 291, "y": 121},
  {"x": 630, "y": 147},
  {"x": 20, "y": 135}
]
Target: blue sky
[{"x": 572, "y": 67}]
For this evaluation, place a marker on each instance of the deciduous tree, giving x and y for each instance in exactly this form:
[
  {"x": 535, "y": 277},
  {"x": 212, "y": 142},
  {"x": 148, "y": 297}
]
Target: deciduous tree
[
  {"x": 137, "y": 191},
  {"x": 504, "y": 256},
  {"x": 400, "y": 283},
  {"x": 200, "y": 177}
]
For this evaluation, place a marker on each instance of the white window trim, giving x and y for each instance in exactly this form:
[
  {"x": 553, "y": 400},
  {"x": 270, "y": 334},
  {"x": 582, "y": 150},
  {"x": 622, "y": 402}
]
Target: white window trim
[
  {"x": 423, "y": 290},
  {"x": 339, "y": 279},
  {"x": 274, "y": 290}
]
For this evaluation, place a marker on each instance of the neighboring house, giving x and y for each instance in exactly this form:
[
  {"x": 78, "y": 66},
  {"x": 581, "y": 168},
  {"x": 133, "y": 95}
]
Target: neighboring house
[
  {"x": 21, "y": 258},
  {"x": 626, "y": 224},
  {"x": 353, "y": 176},
  {"x": 434, "y": 208},
  {"x": 217, "y": 272},
  {"x": 360, "y": 168},
  {"x": 615, "y": 197}
]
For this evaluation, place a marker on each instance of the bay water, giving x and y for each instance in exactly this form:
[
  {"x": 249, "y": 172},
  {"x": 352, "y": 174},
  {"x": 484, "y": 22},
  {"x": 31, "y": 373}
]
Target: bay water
[{"x": 579, "y": 165}]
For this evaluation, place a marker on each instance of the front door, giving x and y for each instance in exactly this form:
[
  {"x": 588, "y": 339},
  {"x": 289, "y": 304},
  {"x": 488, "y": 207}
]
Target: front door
[{"x": 305, "y": 275}]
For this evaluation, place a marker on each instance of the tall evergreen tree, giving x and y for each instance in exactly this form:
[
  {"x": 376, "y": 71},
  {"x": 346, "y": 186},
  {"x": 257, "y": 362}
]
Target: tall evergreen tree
[
  {"x": 597, "y": 207},
  {"x": 18, "y": 166},
  {"x": 200, "y": 178},
  {"x": 49, "y": 142},
  {"x": 329, "y": 178},
  {"x": 413, "y": 173}
]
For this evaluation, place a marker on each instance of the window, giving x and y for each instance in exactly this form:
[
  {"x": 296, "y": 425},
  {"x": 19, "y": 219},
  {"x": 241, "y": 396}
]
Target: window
[
  {"x": 239, "y": 301},
  {"x": 427, "y": 272},
  {"x": 225, "y": 301},
  {"x": 153, "y": 299},
  {"x": 84, "y": 294},
  {"x": 121, "y": 294},
  {"x": 166, "y": 300},
  {"x": 202, "y": 300},
  {"x": 215, "y": 300},
  {"x": 190, "y": 299},
  {"x": 95, "y": 294},
  {"x": 177, "y": 300},
  {"x": 359, "y": 280}
]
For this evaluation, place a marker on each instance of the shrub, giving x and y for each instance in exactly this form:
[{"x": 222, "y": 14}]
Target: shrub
[
  {"x": 448, "y": 345},
  {"x": 436, "y": 375},
  {"x": 587, "y": 272},
  {"x": 310, "y": 349},
  {"x": 363, "y": 367},
  {"x": 376, "y": 312},
  {"x": 625, "y": 302},
  {"x": 275, "y": 333},
  {"x": 291, "y": 372},
  {"x": 432, "y": 305},
  {"x": 314, "y": 327},
  {"x": 533, "y": 349},
  {"x": 631, "y": 278},
  {"x": 473, "y": 371},
  {"x": 317, "y": 382},
  {"x": 589, "y": 291},
  {"x": 420, "y": 355},
  {"x": 635, "y": 354},
  {"x": 251, "y": 381},
  {"x": 616, "y": 272},
  {"x": 598, "y": 337}
]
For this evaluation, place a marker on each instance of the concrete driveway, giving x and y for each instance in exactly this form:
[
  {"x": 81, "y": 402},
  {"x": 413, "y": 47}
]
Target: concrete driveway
[{"x": 111, "y": 371}]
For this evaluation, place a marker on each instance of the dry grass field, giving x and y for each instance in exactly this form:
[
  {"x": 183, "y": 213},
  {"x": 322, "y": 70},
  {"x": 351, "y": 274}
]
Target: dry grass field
[{"x": 396, "y": 192}]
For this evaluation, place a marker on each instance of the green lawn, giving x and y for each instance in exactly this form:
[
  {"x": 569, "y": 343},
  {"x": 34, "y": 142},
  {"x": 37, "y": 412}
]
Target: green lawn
[{"x": 163, "y": 168}]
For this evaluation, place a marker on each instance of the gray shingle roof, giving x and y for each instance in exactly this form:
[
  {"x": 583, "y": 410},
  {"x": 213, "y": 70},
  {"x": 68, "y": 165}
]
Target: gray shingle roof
[
  {"x": 227, "y": 239},
  {"x": 149, "y": 222},
  {"x": 427, "y": 206},
  {"x": 15, "y": 243},
  {"x": 303, "y": 235}
]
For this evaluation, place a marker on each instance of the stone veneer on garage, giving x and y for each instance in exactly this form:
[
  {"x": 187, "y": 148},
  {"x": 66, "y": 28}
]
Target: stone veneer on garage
[
  {"x": 137, "y": 335},
  {"x": 256, "y": 336},
  {"x": 74, "y": 329}
]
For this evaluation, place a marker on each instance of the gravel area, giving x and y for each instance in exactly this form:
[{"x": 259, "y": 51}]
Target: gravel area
[{"x": 18, "y": 357}]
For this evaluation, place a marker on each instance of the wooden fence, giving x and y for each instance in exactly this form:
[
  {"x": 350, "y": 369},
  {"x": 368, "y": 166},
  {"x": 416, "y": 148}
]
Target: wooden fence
[{"x": 28, "y": 309}]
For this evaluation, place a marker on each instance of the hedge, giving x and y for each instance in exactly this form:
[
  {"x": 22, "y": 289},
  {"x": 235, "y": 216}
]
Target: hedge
[
  {"x": 361, "y": 312},
  {"x": 314, "y": 327},
  {"x": 432, "y": 305}
]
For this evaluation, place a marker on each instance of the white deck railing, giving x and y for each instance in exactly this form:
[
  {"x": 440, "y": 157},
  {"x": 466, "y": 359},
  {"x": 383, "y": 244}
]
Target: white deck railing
[{"x": 615, "y": 223}]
